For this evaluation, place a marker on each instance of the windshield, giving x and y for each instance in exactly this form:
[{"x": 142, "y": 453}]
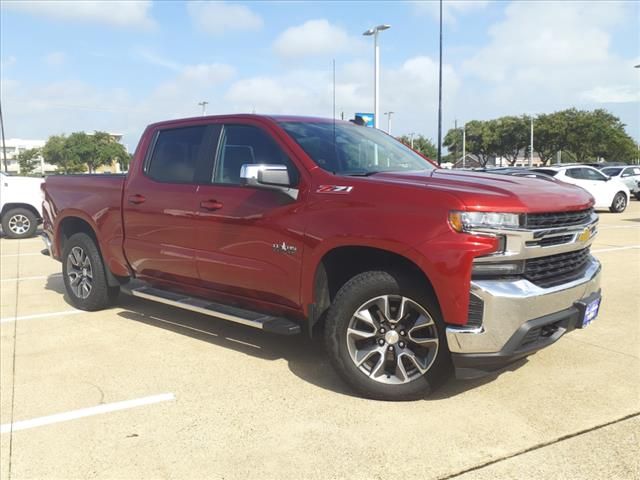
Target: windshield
[
  {"x": 612, "y": 172},
  {"x": 546, "y": 171},
  {"x": 356, "y": 150}
]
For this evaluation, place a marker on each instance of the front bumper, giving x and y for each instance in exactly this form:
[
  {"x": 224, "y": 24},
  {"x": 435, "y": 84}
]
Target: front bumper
[{"x": 519, "y": 318}]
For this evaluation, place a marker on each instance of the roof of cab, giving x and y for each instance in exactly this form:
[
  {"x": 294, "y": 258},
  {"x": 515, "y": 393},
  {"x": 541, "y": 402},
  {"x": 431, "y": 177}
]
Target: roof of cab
[{"x": 248, "y": 116}]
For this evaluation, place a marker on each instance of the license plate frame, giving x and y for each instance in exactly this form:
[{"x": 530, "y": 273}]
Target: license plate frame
[{"x": 588, "y": 309}]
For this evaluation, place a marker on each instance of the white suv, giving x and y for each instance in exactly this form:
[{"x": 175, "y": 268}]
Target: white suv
[
  {"x": 630, "y": 176},
  {"x": 608, "y": 192}
]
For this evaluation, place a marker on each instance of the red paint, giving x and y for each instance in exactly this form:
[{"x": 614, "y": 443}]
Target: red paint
[{"x": 218, "y": 240}]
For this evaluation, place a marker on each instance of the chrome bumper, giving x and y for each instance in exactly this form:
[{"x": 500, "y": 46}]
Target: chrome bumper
[{"x": 510, "y": 304}]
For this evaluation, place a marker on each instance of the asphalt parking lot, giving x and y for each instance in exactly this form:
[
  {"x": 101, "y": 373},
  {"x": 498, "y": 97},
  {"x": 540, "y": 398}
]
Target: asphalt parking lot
[{"x": 147, "y": 391}]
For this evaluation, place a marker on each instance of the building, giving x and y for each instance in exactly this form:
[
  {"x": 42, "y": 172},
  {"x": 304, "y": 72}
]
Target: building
[{"x": 15, "y": 146}]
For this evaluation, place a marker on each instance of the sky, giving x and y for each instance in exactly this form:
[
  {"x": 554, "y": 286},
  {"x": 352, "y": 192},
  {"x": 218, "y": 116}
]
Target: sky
[{"x": 117, "y": 66}]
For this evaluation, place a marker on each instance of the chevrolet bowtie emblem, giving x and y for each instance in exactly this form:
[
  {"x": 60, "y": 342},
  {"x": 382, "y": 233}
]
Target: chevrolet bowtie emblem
[{"x": 585, "y": 235}]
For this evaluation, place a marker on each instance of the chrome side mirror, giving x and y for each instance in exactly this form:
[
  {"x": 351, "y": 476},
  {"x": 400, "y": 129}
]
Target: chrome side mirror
[{"x": 272, "y": 177}]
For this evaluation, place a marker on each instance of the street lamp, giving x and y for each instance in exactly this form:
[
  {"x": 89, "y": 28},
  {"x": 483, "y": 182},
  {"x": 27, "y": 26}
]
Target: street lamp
[
  {"x": 389, "y": 121},
  {"x": 376, "y": 68},
  {"x": 203, "y": 104}
]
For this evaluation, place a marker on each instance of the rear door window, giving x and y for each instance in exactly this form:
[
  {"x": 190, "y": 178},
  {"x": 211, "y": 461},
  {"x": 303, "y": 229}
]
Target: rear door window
[{"x": 176, "y": 154}]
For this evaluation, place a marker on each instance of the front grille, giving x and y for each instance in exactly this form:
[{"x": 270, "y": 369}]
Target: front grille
[
  {"x": 556, "y": 269},
  {"x": 550, "y": 241},
  {"x": 557, "y": 219},
  {"x": 476, "y": 310}
]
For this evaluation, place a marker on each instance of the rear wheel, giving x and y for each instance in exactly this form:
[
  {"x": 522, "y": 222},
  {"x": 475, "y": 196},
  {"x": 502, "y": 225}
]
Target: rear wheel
[
  {"x": 84, "y": 273},
  {"x": 385, "y": 337},
  {"x": 619, "y": 203},
  {"x": 19, "y": 223}
]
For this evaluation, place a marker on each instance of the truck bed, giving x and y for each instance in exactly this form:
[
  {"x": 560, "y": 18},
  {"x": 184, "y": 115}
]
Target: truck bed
[{"x": 94, "y": 198}]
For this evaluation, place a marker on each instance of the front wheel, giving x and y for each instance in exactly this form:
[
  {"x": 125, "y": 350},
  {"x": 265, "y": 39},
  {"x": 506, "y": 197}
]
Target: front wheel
[
  {"x": 84, "y": 273},
  {"x": 619, "y": 203},
  {"x": 385, "y": 337}
]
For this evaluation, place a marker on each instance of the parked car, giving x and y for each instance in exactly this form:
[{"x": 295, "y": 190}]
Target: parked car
[
  {"x": 608, "y": 192},
  {"x": 285, "y": 223},
  {"x": 629, "y": 175},
  {"x": 519, "y": 172},
  {"x": 20, "y": 205}
]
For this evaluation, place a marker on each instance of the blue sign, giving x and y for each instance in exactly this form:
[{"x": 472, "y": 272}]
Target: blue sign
[{"x": 367, "y": 118}]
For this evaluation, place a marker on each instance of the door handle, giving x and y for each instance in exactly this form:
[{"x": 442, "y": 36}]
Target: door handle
[
  {"x": 210, "y": 205},
  {"x": 136, "y": 199}
]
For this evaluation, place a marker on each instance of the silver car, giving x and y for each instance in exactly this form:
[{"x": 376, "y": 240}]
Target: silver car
[{"x": 630, "y": 176}]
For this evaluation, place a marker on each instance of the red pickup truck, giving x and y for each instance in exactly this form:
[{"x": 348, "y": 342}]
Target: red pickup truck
[{"x": 288, "y": 224}]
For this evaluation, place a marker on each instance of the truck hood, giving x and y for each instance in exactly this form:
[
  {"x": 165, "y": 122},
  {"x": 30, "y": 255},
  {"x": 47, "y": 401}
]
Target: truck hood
[{"x": 493, "y": 192}]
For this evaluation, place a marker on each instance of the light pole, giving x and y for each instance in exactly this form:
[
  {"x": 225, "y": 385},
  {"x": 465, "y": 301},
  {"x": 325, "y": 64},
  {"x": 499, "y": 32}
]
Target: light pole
[
  {"x": 531, "y": 152},
  {"x": 440, "y": 94},
  {"x": 464, "y": 144},
  {"x": 204, "y": 104},
  {"x": 389, "y": 121},
  {"x": 376, "y": 68},
  {"x": 412, "y": 134}
]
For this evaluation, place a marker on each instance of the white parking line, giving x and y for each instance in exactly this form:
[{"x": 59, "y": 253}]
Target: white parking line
[
  {"x": 607, "y": 227},
  {"x": 21, "y": 279},
  {"x": 614, "y": 249},
  {"x": 23, "y": 255},
  {"x": 40, "y": 315},
  {"x": 85, "y": 412}
]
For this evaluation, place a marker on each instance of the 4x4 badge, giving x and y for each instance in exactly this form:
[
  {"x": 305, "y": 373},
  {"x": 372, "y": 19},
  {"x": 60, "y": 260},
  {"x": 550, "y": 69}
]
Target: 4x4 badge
[{"x": 284, "y": 248}]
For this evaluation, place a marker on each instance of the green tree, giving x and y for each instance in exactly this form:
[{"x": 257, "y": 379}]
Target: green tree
[
  {"x": 55, "y": 152},
  {"x": 29, "y": 160},
  {"x": 107, "y": 150},
  {"x": 453, "y": 142},
  {"x": 508, "y": 136},
  {"x": 479, "y": 141},
  {"x": 550, "y": 132},
  {"x": 421, "y": 144}
]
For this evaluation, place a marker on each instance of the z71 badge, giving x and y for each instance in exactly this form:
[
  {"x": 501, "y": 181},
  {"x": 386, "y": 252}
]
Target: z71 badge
[{"x": 334, "y": 189}]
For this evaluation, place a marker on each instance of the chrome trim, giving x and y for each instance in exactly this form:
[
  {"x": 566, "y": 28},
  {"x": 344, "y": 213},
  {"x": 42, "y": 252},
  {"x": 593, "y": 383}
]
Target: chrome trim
[
  {"x": 516, "y": 247},
  {"x": 509, "y": 304}
]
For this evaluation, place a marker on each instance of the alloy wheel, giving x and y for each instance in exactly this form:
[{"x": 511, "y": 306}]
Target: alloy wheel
[
  {"x": 79, "y": 272},
  {"x": 392, "y": 339},
  {"x": 19, "y": 224}
]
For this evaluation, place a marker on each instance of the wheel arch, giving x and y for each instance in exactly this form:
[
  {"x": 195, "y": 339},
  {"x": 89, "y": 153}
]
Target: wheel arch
[
  {"x": 14, "y": 205},
  {"x": 72, "y": 224},
  {"x": 341, "y": 263}
]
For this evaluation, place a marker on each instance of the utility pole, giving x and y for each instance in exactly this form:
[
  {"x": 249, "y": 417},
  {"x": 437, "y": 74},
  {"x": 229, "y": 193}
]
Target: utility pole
[
  {"x": 204, "y": 104},
  {"x": 412, "y": 134},
  {"x": 389, "y": 121},
  {"x": 4, "y": 148},
  {"x": 464, "y": 144},
  {"x": 440, "y": 94}
]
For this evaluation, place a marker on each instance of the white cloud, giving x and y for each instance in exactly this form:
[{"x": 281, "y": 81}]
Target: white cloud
[
  {"x": 55, "y": 59},
  {"x": 220, "y": 17},
  {"x": 120, "y": 13},
  {"x": 314, "y": 37},
  {"x": 153, "y": 58},
  {"x": 612, "y": 94},
  {"x": 546, "y": 56},
  {"x": 451, "y": 9},
  {"x": 8, "y": 62}
]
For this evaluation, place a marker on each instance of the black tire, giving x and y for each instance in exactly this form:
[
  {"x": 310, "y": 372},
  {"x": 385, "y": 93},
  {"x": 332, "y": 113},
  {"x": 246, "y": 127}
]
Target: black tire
[
  {"x": 638, "y": 196},
  {"x": 619, "y": 203},
  {"x": 19, "y": 223},
  {"x": 100, "y": 294},
  {"x": 352, "y": 296}
]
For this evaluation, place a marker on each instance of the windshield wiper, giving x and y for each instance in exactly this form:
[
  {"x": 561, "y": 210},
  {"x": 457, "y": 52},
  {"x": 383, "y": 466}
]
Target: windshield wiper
[{"x": 360, "y": 173}]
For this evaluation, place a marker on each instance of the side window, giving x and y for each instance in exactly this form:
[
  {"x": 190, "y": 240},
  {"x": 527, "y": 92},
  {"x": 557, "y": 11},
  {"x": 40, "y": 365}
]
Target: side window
[
  {"x": 175, "y": 155},
  {"x": 590, "y": 174},
  {"x": 246, "y": 144},
  {"x": 574, "y": 173},
  {"x": 631, "y": 171}
]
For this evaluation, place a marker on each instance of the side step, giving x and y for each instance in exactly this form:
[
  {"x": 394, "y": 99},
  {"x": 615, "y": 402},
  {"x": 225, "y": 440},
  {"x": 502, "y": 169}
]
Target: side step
[{"x": 261, "y": 321}]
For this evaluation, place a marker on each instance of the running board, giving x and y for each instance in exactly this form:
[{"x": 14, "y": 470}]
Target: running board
[{"x": 261, "y": 321}]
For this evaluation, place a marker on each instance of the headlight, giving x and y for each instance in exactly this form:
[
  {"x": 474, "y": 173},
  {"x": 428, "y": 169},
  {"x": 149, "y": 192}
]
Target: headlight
[
  {"x": 467, "y": 221},
  {"x": 497, "y": 268}
]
